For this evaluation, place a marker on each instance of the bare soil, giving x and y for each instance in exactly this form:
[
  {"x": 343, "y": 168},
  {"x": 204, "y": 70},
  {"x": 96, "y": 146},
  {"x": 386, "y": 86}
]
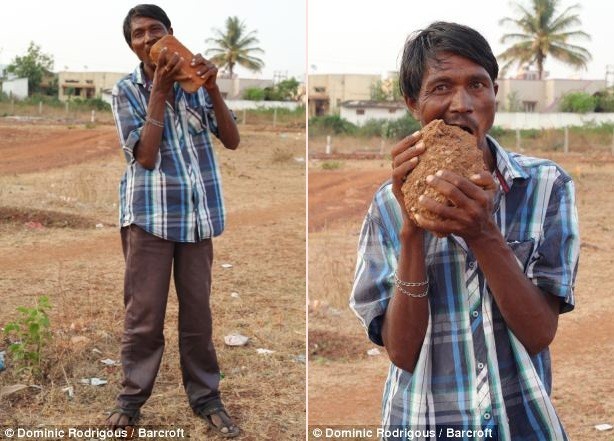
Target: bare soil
[
  {"x": 59, "y": 237},
  {"x": 346, "y": 385}
]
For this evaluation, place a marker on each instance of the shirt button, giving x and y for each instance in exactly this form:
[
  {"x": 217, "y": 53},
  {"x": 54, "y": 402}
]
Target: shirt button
[
  {"x": 472, "y": 264},
  {"x": 486, "y": 416},
  {"x": 480, "y": 366},
  {"x": 475, "y": 313}
]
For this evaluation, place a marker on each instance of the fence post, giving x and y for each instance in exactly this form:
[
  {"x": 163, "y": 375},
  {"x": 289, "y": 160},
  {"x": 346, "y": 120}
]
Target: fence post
[
  {"x": 12, "y": 106},
  {"x": 40, "y": 107},
  {"x": 566, "y": 140},
  {"x": 517, "y": 139},
  {"x": 613, "y": 141},
  {"x": 244, "y": 115},
  {"x": 328, "y": 146},
  {"x": 66, "y": 107},
  {"x": 274, "y": 116},
  {"x": 93, "y": 117}
]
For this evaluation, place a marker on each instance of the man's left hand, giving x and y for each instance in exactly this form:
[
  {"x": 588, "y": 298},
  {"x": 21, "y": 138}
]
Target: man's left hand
[
  {"x": 470, "y": 214},
  {"x": 206, "y": 70}
]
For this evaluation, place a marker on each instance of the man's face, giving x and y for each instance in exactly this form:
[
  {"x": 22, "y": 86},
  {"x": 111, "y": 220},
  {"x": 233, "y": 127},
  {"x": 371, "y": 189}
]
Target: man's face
[
  {"x": 458, "y": 91},
  {"x": 144, "y": 32}
]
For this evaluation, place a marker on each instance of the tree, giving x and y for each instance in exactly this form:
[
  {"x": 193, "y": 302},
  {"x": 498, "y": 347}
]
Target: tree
[
  {"x": 33, "y": 66},
  {"x": 543, "y": 32},
  {"x": 235, "y": 45}
]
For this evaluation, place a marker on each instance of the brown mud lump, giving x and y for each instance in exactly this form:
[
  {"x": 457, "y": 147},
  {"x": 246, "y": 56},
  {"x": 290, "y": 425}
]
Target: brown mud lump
[{"x": 446, "y": 148}]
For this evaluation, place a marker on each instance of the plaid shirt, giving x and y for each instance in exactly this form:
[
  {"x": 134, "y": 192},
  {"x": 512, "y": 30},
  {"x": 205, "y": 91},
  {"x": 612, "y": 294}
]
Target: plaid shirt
[
  {"x": 535, "y": 211},
  {"x": 181, "y": 198}
]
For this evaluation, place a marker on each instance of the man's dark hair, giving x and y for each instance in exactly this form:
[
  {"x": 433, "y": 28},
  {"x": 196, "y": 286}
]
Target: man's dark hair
[
  {"x": 149, "y": 11},
  {"x": 426, "y": 45}
]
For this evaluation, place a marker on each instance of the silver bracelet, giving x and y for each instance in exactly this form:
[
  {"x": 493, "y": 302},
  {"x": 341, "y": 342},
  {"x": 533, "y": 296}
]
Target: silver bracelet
[
  {"x": 412, "y": 294},
  {"x": 398, "y": 282},
  {"x": 155, "y": 122}
]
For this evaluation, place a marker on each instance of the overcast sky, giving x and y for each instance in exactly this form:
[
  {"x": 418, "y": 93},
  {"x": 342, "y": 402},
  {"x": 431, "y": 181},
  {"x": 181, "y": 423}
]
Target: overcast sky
[
  {"x": 89, "y": 33},
  {"x": 344, "y": 35},
  {"x": 359, "y": 37}
]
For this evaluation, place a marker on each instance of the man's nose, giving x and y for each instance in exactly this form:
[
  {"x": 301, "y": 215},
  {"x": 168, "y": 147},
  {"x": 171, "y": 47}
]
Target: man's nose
[{"x": 461, "y": 101}]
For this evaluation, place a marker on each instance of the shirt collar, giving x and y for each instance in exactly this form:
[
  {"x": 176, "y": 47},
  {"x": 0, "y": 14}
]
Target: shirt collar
[
  {"x": 507, "y": 168},
  {"x": 138, "y": 77}
]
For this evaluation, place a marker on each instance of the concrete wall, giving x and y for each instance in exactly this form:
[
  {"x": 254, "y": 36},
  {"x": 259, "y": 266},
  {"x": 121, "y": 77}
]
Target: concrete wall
[
  {"x": 16, "y": 88},
  {"x": 549, "y": 120},
  {"x": 245, "y": 104}
]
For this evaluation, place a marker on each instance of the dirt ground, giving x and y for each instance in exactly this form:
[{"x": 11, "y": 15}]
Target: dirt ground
[
  {"x": 345, "y": 384},
  {"x": 59, "y": 237}
]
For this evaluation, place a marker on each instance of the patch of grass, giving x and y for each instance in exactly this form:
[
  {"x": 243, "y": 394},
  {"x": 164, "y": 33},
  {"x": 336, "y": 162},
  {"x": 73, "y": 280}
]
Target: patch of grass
[{"x": 331, "y": 165}]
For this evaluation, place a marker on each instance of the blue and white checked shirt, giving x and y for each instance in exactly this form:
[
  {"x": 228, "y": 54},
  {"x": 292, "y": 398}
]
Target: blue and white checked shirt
[
  {"x": 468, "y": 343},
  {"x": 181, "y": 198}
]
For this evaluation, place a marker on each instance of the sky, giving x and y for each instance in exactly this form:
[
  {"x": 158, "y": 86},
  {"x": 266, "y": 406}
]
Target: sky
[
  {"x": 87, "y": 35},
  {"x": 346, "y": 38}
]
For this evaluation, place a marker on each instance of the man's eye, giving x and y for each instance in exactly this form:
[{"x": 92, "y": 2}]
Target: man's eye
[
  {"x": 441, "y": 88},
  {"x": 477, "y": 85}
]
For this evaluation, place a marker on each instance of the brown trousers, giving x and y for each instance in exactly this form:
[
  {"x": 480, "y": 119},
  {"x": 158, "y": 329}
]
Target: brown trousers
[{"x": 149, "y": 260}]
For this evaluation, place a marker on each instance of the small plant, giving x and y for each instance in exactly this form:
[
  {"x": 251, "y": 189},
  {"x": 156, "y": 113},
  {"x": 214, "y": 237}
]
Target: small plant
[
  {"x": 29, "y": 335},
  {"x": 331, "y": 165}
]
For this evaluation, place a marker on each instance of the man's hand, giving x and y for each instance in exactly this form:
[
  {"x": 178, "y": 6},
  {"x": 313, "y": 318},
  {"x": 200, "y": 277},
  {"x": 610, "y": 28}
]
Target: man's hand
[
  {"x": 405, "y": 157},
  {"x": 168, "y": 71},
  {"x": 206, "y": 70},
  {"x": 471, "y": 209}
]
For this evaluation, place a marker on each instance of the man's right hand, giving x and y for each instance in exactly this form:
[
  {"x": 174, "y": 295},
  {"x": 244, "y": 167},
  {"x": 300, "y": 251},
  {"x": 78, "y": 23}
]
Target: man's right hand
[
  {"x": 405, "y": 157},
  {"x": 168, "y": 70}
]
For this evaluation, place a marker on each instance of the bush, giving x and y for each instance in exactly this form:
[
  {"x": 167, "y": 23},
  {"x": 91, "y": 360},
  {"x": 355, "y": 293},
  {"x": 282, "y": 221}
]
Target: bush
[
  {"x": 604, "y": 103},
  {"x": 578, "y": 102},
  {"x": 253, "y": 94},
  {"x": 330, "y": 124}
]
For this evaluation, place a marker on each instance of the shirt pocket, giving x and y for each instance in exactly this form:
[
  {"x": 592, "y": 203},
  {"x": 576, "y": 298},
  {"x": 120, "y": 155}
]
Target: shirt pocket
[{"x": 523, "y": 250}]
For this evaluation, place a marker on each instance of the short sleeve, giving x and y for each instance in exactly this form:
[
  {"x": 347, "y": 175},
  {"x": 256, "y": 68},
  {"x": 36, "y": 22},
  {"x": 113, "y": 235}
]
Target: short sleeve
[
  {"x": 373, "y": 287},
  {"x": 554, "y": 264},
  {"x": 129, "y": 113}
]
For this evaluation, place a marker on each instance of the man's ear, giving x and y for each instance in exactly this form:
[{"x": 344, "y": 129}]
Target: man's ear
[
  {"x": 496, "y": 87},
  {"x": 170, "y": 30},
  {"x": 412, "y": 106}
]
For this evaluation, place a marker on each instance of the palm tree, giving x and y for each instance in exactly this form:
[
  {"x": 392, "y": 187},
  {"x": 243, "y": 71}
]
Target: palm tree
[
  {"x": 543, "y": 32},
  {"x": 234, "y": 45}
]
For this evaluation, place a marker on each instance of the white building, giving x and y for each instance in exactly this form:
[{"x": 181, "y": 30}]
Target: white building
[{"x": 359, "y": 112}]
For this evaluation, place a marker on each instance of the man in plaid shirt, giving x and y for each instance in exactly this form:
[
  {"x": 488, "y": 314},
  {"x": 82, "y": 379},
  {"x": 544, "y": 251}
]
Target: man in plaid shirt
[
  {"x": 467, "y": 318},
  {"x": 170, "y": 207}
]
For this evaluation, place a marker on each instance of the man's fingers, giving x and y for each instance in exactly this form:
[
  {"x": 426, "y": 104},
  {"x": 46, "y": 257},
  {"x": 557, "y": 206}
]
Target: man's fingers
[
  {"x": 484, "y": 180},
  {"x": 405, "y": 143}
]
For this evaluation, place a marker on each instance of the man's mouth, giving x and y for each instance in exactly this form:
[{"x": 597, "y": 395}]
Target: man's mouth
[{"x": 466, "y": 128}]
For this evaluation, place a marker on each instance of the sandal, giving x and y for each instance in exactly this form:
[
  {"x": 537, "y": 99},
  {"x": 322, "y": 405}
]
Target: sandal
[
  {"x": 225, "y": 426},
  {"x": 133, "y": 416}
]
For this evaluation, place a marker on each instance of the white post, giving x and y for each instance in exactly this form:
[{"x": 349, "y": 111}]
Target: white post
[
  {"x": 66, "y": 107},
  {"x": 517, "y": 139},
  {"x": 566, "y": 140},
  {"x": 244, "y": 115},
  {"x": 40, "y": 107},
  {"x": 12, "y": 106},
  {"x": 274, "y": 116},
  {"x": 381, "y": 146},
  {"x": 328, "y": 147},
  {"x": 93, "y": 117},
  {"x": 613, "y": 141}
]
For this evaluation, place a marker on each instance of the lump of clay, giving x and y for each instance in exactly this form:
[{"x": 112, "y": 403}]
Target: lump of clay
[{"x": 446, "y": 148}]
